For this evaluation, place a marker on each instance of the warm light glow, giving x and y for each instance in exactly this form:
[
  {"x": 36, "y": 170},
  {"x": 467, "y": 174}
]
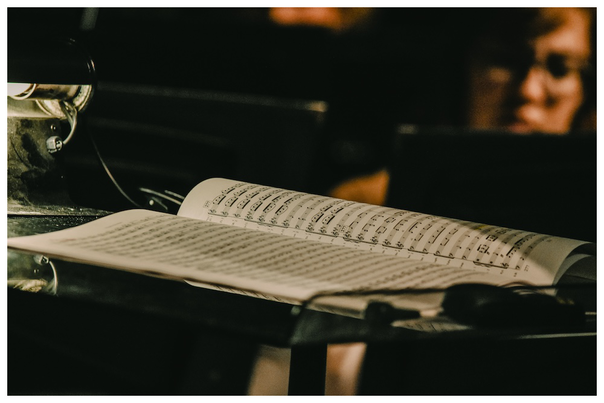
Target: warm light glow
[{"x": 19, "y": 90}]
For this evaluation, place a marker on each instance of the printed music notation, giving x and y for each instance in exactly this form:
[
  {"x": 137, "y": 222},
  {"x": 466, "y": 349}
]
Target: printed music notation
[
  {"x": 378, "y": 228},
  {"x": 291, "y": 246}
]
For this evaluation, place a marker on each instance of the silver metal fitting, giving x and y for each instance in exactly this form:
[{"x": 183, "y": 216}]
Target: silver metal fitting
[{"x": 54, "y": 144}]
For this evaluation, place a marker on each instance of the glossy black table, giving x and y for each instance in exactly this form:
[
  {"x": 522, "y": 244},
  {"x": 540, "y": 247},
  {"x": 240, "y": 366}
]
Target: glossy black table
[
  {"x": 76, "y": 301},
  {"x": 93, "y": 330}
]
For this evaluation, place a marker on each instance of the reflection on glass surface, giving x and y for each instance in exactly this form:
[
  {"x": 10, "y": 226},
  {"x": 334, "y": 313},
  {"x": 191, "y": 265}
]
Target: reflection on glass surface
[{"x": 31, "y": 273}]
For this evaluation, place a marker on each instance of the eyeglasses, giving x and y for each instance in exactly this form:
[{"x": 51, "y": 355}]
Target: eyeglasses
[{"x": 560, "y": 73}]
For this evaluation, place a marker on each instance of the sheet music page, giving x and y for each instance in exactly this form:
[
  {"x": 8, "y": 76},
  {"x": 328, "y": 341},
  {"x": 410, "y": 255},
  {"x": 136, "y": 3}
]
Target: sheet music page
[
  {"x": 518, "y": 255},
  {"x": 256, "y": 263}
]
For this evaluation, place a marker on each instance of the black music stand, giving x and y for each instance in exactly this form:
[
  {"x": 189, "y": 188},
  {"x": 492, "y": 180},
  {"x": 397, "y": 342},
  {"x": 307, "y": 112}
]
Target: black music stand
[{"x": 541, "y": 183}]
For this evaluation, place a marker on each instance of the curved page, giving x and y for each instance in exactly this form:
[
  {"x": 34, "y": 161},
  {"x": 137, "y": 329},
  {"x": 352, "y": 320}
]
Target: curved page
[{"x": 518, "y": 256}]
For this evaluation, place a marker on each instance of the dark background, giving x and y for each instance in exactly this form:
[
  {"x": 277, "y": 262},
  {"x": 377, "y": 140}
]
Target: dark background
[
  {"x": 185, "y": 94},
  {"x": 371, "y": 79}
]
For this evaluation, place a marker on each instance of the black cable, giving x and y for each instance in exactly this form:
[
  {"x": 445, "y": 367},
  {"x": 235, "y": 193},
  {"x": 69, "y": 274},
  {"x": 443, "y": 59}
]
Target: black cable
[
  {"x": 477, "y": 304},
  {"x": 403, "y": 291},
  {"x": 106, "y": 168}
]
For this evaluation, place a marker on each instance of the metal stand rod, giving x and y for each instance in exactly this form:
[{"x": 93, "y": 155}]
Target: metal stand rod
[{"x": 307, "y": 370}]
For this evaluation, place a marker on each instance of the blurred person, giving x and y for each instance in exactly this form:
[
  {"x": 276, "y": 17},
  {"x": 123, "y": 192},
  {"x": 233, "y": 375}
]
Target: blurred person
[
  {"x": 527, "y": 71},
  {"x": 527, "y": 74},
  {"x": 332, "y": 18}
]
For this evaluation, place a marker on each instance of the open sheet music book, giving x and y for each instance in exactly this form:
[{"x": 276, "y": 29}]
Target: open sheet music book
[{"x": 289, "y": 246}]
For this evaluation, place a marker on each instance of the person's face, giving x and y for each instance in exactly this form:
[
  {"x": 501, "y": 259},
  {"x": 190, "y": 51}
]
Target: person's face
[{"x": 536, "y": 88}]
